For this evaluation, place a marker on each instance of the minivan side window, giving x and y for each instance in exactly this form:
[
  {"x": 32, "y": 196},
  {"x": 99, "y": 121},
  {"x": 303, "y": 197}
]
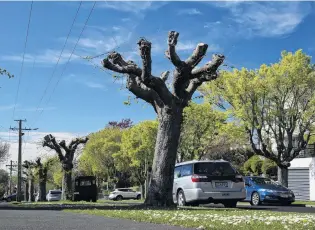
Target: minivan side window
[
  {"x": 186, "y": 170},
  {"x": 177, "y": 172}
]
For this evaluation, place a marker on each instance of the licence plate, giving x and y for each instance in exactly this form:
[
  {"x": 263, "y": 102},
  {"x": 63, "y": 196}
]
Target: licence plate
[
  {"x": 284, "y": 195},
  {"x": 221, "y": 184}
]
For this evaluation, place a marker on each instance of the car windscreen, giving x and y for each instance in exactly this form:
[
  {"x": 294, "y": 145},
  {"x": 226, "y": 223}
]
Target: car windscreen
[
  {"x": 214, "y": 169},
  {"x": 261, "y": 180},
  {"x": 55, "y": 192}
]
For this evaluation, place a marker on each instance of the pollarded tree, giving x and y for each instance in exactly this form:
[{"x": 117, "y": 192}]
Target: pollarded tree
[
  {"x": 66, "y": 155},
  {"x": 29, "y": 172},
  {"x": 167, "y": 104},
  {"x": 42, "y": 170}
]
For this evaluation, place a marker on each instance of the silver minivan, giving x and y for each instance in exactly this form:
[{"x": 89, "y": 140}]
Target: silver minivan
[{"x": 202, "y": 182}]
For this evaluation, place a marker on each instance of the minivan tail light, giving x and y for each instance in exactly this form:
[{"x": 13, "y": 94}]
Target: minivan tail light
[{"x": 197, "y": 178}]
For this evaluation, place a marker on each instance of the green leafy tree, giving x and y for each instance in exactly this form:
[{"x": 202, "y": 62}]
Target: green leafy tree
[
  {"x": 200, "y": 128},
  {"x": 137, "y": 150},
  {"x": 97, "y": 157},
  {"x": 275, "y": 104},
  {"x": 269, "y": 167}
]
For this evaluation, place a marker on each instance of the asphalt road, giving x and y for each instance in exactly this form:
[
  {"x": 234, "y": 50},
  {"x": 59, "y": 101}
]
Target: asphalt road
[{"x": 55, "y": 220}]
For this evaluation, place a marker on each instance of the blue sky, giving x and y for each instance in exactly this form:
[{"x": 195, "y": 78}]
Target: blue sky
[{"x": 86, "y": 98}]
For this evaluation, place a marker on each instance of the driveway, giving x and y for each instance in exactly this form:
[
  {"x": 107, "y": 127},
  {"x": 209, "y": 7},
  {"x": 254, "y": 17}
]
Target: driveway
[{"x": 58, "y": 220}]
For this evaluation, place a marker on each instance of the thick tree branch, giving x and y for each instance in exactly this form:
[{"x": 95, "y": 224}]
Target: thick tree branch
[
  {"x": 140, "y": 90},
  {"x": 171, "y": 52},
  {"x": 164, "y": 76},
  {"x": 209, "y": 69},
  {"x": 116, "y": 63},
  {"x": 197, "y": 55},
  {"x": 50, "y": 142},
  {"x": 145, "y": 53},
  {"x": 64, "y": 146}
]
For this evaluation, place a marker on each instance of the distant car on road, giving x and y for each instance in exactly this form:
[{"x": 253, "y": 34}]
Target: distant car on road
[
  {"x": 53, "y": 195},
  {"x": 203, "y": 182},
  {"x": 124, "y": 193},
  {"x": 9, "y": 198},
  {"x": 264, "y": 190}
]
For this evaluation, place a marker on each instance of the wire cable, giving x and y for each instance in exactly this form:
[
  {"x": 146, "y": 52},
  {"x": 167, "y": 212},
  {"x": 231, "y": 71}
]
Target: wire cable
[
  {"x": 55, "y": 67},
  {"x": 75, "y": 46},
  {"x": 21, "y": 71}
]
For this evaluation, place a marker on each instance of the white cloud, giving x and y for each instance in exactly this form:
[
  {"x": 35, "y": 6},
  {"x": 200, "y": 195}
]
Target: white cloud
[
  {"x": 25, "y": 109},
  {"x": 265, "y": 19},
  {"x": 31, "y": 147},
  {"x": 191, "y": 11},
  {"x": 6, "y": 107},
  {"x": 132, "y": 7},
  {"x": 31, "y": 109},
  {"x": 94, "y": 85},
  {"x": 48, "y": 56}
]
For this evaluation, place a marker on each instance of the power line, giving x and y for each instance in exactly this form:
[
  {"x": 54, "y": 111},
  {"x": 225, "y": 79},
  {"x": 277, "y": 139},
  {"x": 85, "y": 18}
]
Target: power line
[
  {"x": 91, "y": 11},
  {"x": 21, "y": 71},
  {"x": 55, "y": 67}
]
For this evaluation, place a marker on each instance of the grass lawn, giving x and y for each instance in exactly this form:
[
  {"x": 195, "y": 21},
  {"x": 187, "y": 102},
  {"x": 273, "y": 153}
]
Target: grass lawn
[{"x": 223, "y": 219}]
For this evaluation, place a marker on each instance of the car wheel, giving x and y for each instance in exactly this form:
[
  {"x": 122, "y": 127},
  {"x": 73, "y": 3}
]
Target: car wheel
[
  {"x": 119, "y": 198},
  {"x": 230, "y": 204},
  {"x": 255, "y": 199},
  {"x": 139, "y": 197},
  {"x": 181, "y": 200},
  {"x": 94, "y": 200}
]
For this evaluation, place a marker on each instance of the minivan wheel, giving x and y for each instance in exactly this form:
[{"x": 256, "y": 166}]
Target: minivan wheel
[
  {"x": 181, "y": 200},
  {"x": 230, "y": 204},
  {"x": 138, "y": 197},
  {"x": 255, "y": 199}
]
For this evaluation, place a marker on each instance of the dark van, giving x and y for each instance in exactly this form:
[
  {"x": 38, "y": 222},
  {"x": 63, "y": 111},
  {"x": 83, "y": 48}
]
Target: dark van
[{"x": 85, "y": 189}]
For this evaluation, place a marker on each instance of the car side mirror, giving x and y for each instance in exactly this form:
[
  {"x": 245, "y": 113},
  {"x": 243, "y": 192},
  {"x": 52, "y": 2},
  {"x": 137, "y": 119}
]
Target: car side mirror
[{"x": 178, "y": 175}]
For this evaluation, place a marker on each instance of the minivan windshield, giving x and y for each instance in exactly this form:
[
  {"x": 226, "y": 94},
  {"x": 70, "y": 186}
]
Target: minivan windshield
[{"x": 214, "y": 169}]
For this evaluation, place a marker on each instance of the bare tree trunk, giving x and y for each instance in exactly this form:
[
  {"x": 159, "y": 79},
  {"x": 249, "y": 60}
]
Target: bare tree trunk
[
  {"x": 161, "y": 184},
  {"x": 67, "y": 183},
  {"x": 26, "y": 194},
  {"x": 31, "y": 190},
  {"x": 283, "y": 176},
  {"x": 42, "y": 190}
]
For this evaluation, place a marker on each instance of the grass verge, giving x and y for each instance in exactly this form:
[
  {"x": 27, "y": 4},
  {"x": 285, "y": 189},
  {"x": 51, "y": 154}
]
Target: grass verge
[{"x": 223, "y": 219}]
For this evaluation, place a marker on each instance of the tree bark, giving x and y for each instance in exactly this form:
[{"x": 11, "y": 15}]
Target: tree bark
[
  {"x": 161, "y": 184},
  {"x": 283, "y": 176},
  {"x": 26, "y": 193},
  {"x": 42, "y": 190},
  {"x": 31, "y": 190},
  {"x": 67, "y": 183}
]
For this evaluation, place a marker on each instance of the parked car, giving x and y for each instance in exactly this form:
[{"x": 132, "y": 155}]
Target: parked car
[
  {"x": 53, "y": 195},
  {"x": 264, "y": 190},
  {"x": 200, "y": 182},
  {"x": 9, "y": 198},
  {"x": 124, "y": 193}
]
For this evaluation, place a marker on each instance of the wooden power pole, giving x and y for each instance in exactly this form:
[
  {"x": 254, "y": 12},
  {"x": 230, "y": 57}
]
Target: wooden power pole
[
  {"x": 11, "y": 166},
  {"x": 20, "y": 129}
]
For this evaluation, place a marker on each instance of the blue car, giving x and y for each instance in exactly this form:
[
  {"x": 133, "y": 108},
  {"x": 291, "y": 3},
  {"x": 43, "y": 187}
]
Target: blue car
[{"x": 264, "y": 190}]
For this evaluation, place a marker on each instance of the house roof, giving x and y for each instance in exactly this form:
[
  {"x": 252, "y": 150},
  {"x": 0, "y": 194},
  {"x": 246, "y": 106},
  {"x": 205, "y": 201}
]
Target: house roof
[{"x": 301, "y": 162}]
